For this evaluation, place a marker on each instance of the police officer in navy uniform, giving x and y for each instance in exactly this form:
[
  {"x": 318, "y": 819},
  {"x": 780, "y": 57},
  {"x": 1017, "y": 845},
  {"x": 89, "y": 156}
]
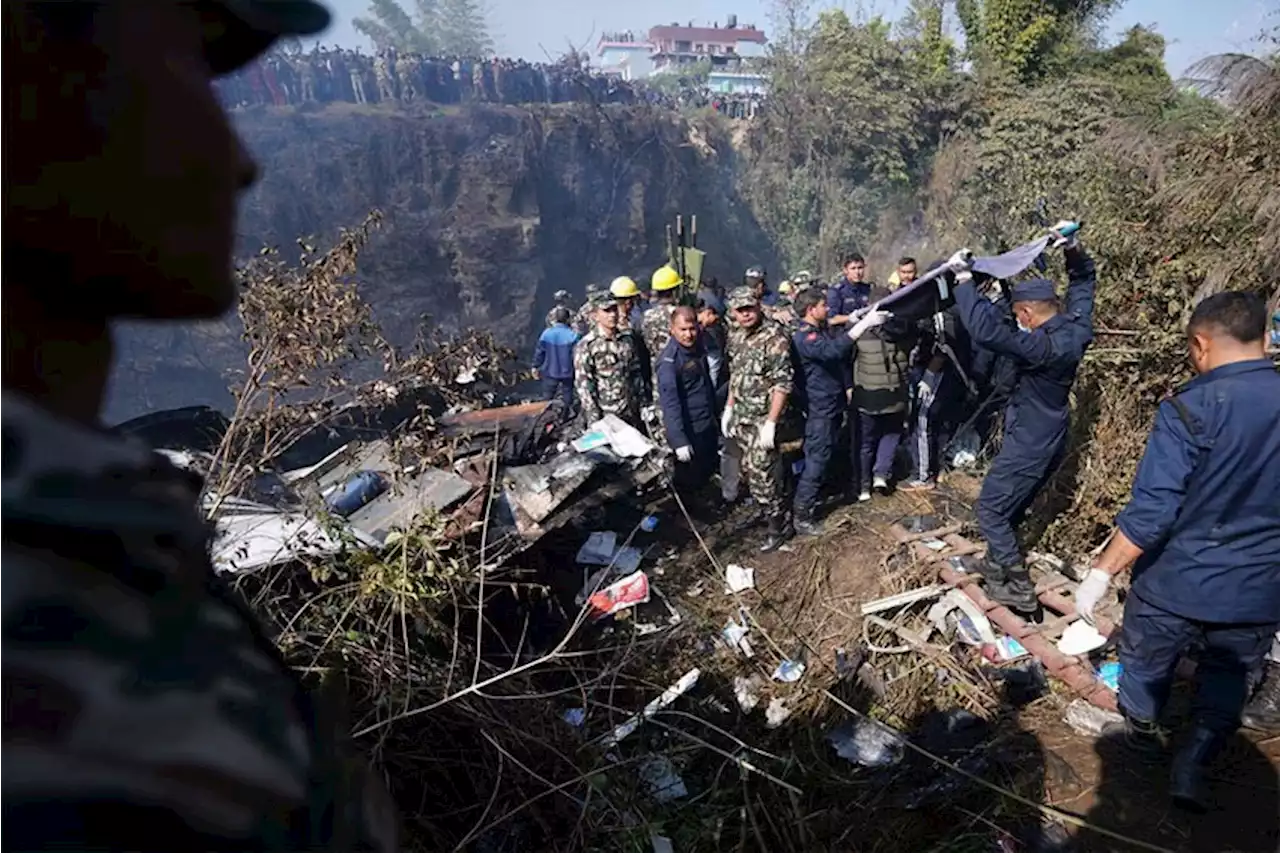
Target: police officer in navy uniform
[
  {"x": 850, "y": 293},
  {"x": 688, "y": 399},
  {"x": 1202, "y": 533},
  {"x": 822, "y": 356},
  {"x": 1046, "y": 357}
]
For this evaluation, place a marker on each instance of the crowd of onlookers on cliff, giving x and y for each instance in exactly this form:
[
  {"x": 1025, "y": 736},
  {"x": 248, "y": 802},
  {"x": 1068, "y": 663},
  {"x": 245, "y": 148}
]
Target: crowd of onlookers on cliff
[{"x": 327, "y": 75}]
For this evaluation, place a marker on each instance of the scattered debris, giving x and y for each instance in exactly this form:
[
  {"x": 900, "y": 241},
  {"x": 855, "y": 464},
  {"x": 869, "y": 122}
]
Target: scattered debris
[
  {"x": 599, "y": 548},
  {"x": 649, "y": 523},
  {"x": 1109, "y": 674},
  {"x": 747, "y": 692},
  {"x": 867, "y": 743},
  {"x": 249, "y": 536},
  {"x": 902, "y": 599},
  {"x": 668, "y": 696},
  {"x": 735, "y": 637},
  {"x": 1080, "y": 638},
  {"x": 789, "y": 671},
  {"x": 1004, "y": 649},
  {"x": 575, "y": 717},
  {"x": 660, "y": 777},
  {"x": 1089, "y": 720},
  {"x": 777, "y": 712},
  {"x": 620, "y": 595},
  {"x": 738, "y": 578},
  {"x": 661, "y": 844},
  {"x": 959, "y": 616}
]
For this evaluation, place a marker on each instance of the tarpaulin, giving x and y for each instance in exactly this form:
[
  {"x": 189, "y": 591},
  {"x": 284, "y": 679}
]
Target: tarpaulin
[{"x": 931, "y": 293}]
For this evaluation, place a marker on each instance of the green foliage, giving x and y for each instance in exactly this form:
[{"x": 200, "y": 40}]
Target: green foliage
[
  {"x": 1028, "y": 40},
  {"x": 437, "y": 27}
]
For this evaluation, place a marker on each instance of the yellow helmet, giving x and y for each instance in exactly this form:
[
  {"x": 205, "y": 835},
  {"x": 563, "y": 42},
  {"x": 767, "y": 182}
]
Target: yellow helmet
[
  {"x": 665, "y": 278},
  {"x": 624, "y": 288},
  {"x": 785, "y": 287}
]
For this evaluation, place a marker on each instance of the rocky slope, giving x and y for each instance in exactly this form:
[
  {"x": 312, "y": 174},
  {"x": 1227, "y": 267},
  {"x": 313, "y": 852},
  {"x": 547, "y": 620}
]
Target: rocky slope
[{"x": 488, "y": 211}]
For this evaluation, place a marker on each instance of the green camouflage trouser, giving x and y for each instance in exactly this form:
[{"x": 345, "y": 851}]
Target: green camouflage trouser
[{"x": 761, "y": 469}]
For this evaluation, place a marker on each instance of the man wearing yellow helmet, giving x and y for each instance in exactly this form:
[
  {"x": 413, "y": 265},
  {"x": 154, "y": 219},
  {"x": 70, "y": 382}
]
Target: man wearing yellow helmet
[
  {"x": 656, "y": 325},
  {"x": 625, "y": 291}
]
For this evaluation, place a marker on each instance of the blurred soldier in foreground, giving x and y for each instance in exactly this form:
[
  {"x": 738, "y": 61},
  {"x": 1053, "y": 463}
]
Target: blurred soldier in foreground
[
  {"x": 1202, "y": 534},
  {"x": 688, "y": 400},
  {"x": 760, "y": 377},
  {"x": 144, "y": 707},
  {"x": 1035, "y": 422},
  {"x": 603, "y": 366}
]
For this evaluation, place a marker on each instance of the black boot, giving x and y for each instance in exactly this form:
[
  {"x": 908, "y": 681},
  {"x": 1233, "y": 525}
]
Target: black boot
[
  {"x": 1263, "y": 711},
  {"x": 806, "y": 525},
  {"x": 1146, "y": 741},
  {"x": 780, "y": 531},
  {"x": 1013, "y": 589},
  {"x": 1187, "y": 784}
]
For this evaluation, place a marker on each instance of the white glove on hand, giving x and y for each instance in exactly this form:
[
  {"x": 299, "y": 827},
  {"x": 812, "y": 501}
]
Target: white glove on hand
[
  {"x": 924, "y": 395},
  {"x": 764, "y": 440},
  {"x": 1060, "y": 241},
  {"x": 873, "y": 318},
  {"x": 725, "y": 420},
  {"x": 1090, "y": 592},
  {"x": 684, "y": 454},
  {"x": 961, "y": 263}
]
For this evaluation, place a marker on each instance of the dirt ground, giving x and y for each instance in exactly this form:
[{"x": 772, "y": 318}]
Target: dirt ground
[{"x": 806, "y": 605}]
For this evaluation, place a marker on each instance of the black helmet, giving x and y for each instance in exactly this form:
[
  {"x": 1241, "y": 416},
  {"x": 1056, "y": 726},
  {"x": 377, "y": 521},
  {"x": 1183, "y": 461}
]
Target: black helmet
[{"x": 755, "y": 271}]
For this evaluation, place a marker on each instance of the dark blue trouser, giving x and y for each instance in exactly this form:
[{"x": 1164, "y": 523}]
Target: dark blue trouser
[
  {"x": 562, "y": 388},
  {"x": 696, "y": 473},
  {"x": 880, "y": 437},
  {"x": 1007, "y": 491},
  {"x": 1152, "y": 640},
  {"x": 820, "y": 438}
]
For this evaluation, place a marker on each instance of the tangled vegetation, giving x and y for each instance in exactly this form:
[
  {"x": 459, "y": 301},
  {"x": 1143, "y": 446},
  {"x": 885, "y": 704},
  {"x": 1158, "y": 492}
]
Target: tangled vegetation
[{"x": 899, "y": 142}]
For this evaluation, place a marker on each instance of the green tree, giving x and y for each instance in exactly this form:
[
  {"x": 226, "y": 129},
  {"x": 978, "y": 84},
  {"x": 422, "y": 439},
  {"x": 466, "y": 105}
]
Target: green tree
[
  {"x": 388, "y": 25},
  {"x": 1027, "y": 40},
  {"x": 463, "y": 28},
  {"x": 437, "y": 27}
]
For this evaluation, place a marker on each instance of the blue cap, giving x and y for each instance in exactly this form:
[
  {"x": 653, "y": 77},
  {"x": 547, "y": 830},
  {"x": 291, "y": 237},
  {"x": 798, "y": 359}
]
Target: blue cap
[{"x": 1036, "y": 289}]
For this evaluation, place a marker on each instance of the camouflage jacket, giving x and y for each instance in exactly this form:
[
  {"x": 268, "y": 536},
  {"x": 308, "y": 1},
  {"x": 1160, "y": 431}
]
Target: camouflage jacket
[
  {"x": 657, "y": 327},
  {"x": 603, "y": 376},
  {"x": 144, "y": 707},
  {"x": 759, "y": 361}
]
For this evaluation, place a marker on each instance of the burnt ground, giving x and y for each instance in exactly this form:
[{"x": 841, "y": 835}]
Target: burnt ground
[{"x": 806, "y": 606}]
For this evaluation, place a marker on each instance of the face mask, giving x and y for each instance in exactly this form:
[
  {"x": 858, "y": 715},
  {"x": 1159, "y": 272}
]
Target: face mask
[{"x": 1022, "y": 328}]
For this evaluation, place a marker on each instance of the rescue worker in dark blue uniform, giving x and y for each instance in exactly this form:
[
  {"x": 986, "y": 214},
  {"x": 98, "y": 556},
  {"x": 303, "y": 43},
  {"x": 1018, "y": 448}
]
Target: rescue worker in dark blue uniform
[
  {"x": 822, "y": 356},
  {"x": 688, "y": 399},
  {"x": 1202, "y": 534},
  {"x": 1046, "y": 357},
  {"x": 850, "y": 293}
]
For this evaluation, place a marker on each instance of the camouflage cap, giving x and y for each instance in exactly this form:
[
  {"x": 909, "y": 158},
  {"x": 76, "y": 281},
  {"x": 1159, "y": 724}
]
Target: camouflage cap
[
  {"x": 243, "y": 29},
  {"x": 743, "y": 297},
  {"x": 602, "y": 299},
  {"x": 802, "y": 277}
]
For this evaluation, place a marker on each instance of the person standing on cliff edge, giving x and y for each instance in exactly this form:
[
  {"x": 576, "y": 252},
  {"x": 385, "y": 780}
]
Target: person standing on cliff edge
[{"x": 145, "y": 709}]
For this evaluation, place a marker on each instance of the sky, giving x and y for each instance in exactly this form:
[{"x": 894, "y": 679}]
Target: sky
[{"x": 537, "y": 29}]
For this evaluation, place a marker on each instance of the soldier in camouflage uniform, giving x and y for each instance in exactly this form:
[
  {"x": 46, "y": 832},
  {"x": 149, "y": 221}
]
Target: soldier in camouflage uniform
[
  {"x": 145, "y": 709},
  {"x": 585, "y": 320},
  {"x": 384, "y": 69},
  {"x": 758, "y": 359},
  {"x": 407, "y": 71},
  {"x": 603, "y": 362},
  {"x": 656, "y": 325}
]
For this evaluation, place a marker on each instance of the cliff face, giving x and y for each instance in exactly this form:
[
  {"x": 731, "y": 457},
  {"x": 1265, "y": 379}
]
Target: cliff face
[{"x": 488, "y": 211}]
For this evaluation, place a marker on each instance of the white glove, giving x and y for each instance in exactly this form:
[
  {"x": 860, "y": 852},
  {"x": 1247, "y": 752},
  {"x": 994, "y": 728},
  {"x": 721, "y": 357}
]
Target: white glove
[
  {"x": 684, "y": 454},
  {"x": 871, "y": 320},
  {"x": 764, "y": 440},
  {"x": 961, "y": 263},
  {"x": 924, "y": 394},
  {"x": 726, "y": 420},
  {"x": 1090, "y": 592},
  {"x": 1061, "y": 242},
  {"x": 649, "y": 414}
]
